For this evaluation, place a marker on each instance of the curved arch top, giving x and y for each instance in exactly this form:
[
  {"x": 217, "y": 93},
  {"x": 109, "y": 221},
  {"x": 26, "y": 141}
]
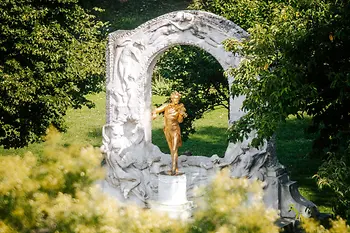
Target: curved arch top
[
  {"x": 133, "y": 162},
  {"x": 131, "y": 56}
]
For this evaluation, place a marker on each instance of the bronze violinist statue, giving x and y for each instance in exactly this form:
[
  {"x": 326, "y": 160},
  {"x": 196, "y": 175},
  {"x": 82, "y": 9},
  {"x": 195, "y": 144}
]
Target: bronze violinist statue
[{"x": 174, "y": 113}]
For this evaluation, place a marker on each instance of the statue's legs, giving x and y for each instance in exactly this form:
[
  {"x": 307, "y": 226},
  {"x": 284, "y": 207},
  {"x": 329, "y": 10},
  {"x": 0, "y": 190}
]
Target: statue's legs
[
  {"x": 174, "y": 166},
  {"x": 173, "y": 139},
  {"x": 174, "y": 156}
]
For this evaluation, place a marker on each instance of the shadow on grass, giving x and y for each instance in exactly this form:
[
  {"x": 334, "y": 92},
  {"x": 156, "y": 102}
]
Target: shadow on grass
[
  {"x": 132, "y": 13},
  {"x": 293, "y": 151},
  {"x": 207, "y": 141},
  {"x": 95, "y": 136},
  {"x": 95, "y": 133},
  {"x": 293, "y": 148}
]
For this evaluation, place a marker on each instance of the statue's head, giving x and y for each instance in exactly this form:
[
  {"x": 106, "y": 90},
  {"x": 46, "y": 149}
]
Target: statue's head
[{"x": 175, "y": 97}]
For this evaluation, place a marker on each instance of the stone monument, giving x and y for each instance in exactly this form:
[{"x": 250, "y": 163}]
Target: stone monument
[
  {"x": 133, "y": 163},
  {"x": 172, "y": 185}
]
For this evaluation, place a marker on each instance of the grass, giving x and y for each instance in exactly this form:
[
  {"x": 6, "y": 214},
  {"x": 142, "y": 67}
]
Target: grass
[
  {"x": 132, "y": 13},
  {"x": 204, "y": 142},
  {"x": 293, "y": 148},
  {"x": 84, "y": 125}
]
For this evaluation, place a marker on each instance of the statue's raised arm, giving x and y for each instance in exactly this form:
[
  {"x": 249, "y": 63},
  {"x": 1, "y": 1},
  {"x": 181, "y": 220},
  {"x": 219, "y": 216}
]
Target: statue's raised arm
[{"x": 158, "y": 110}]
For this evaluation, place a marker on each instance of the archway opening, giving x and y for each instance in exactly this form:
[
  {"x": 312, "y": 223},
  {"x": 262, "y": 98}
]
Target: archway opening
[{"x": 198, "y": 76}]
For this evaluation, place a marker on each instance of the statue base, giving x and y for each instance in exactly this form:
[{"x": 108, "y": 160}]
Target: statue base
[{"x": 172, "y": 196}]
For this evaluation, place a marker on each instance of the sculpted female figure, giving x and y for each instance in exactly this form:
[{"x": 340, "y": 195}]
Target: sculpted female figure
[{"x": 174, "y": 113}]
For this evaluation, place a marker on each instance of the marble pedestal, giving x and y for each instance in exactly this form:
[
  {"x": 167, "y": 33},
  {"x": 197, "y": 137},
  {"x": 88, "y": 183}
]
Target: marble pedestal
[{"x": 172, "y": 196}]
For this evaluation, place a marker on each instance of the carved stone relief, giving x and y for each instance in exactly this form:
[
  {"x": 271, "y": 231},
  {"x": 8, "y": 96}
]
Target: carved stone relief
[{"x": 133, "y": 162}]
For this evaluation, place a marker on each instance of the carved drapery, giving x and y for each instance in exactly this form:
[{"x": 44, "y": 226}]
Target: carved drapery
[{"x": 133, "y": 162}]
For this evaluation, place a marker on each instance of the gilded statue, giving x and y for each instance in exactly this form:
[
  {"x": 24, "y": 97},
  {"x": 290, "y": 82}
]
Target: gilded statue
[{"x": 174, "y": 113}]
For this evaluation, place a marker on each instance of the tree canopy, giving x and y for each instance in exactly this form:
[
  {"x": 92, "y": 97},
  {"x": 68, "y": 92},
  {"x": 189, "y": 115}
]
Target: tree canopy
[
  {"x": 198, "y": 77},
  {"x": 296, "y": 63},
  {"x": 51, "y": 57}
]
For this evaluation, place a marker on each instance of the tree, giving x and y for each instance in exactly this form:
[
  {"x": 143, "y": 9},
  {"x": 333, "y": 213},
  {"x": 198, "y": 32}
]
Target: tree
[
  {"x": 197, "y": 74},
  {"x": 297, "y": 63},
  {"x": 52, "y": 55},
  {"x": 198, "y": 77}
]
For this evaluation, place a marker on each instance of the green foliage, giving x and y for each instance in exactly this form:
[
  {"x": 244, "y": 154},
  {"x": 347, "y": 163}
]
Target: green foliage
[
  {"x": 55, "y": 192},
  {"x": 300, "y": 70},
  {"x": 296, "y": 63},
  {"x": 129, "y": 14},
  {"x": 337, "y": 226},
  {"x": 198, "y": 77},
  {"x": 38, "y": 193},
  {"x": 335, "y": 174},
  {"x": 233, "y": 205},
  {"x": 160, "y": 85},
  {"x": 52, "y": 56},
  {"x": 244, "y": 13},
  {"x": 298, "y": 55}
]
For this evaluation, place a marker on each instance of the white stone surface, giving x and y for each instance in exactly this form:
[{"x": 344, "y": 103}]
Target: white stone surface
[
  {"x": 182, "y": 212},
  {"x": 172, "y": 196},
  {"x": 133, "y": 162},
  {"x": 172, "y": 189}
]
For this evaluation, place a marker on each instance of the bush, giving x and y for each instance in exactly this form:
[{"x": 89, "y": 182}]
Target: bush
[
  {"x": 233, "y": 205},
  {"x": 334, "y": 173},
  {"x": 337, "y": 226},
  {"x": 160, "y": 85},
  {"x": 55, "y": 192}
]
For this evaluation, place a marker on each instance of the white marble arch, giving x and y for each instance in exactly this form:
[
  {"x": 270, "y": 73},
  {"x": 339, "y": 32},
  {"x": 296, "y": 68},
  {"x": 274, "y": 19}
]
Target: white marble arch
[
  {"x": 131, "y": 57},
  {"x": 133, "y": 162}
]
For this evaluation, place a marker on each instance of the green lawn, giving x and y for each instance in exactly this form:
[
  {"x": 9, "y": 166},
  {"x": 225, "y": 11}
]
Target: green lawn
[
  {"x": 84, "y": 125},
  {"x": 293, "y": 148},
  {"x": 209, "y": 139}
]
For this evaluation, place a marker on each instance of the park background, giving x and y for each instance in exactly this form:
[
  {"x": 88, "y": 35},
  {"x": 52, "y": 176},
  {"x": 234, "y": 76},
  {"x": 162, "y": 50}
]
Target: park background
[{"x": 84, "y": 125}]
